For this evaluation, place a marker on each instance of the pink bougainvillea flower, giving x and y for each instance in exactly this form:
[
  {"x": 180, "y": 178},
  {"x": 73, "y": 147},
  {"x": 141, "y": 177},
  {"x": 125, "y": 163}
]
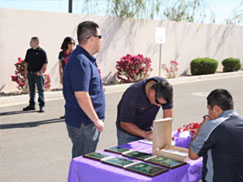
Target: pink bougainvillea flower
[
  {"x": 133, "y": 68},
  {"x": 20, "y": 79}
]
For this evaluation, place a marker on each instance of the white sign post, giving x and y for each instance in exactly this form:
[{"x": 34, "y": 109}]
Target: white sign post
[{"x": 160, "y": 39}]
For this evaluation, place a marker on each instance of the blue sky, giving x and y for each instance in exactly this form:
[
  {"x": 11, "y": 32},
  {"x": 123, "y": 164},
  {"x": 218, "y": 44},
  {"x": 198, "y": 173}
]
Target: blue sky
[{"x": 222, "y": 8}]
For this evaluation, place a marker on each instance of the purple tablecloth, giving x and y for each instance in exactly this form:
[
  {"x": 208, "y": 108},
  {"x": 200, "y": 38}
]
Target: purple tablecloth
[{"x": 86, "y": 170}]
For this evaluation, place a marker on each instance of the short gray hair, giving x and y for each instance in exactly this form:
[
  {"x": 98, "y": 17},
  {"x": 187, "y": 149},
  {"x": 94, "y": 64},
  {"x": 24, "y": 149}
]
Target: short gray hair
[
  {"x": 85, "y": 30},
  {"x": 36, "y": 39}
]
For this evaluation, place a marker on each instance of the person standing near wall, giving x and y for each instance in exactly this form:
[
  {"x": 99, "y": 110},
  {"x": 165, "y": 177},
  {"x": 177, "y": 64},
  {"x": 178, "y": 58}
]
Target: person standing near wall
[
  {"x": 67, "y": 47},
  {"x": 83, "y": 91},
  {"x": 35, "y": 66}
]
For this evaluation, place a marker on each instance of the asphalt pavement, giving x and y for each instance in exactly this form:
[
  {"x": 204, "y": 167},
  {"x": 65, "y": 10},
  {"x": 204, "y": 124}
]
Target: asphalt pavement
[{"x": 35, "y": 146}]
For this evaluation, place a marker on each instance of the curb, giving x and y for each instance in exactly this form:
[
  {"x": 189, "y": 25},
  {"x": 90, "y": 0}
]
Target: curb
[
  {"x": 55, "y": 95},
  {"x": 180, "y": 80}
]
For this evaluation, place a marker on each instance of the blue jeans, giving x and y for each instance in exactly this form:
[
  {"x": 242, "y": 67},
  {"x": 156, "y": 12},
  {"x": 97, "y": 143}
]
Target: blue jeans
[
  {"x": 84, "y": 139},
  {"x": 124, "y": 137},
  {"x": 33, "y": 80}
]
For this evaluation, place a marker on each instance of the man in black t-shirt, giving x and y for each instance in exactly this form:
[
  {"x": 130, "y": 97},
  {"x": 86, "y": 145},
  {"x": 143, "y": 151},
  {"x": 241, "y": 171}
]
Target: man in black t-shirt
[
  {"x": 139, "y": 106},
  {"x": 35, "y": 66}
]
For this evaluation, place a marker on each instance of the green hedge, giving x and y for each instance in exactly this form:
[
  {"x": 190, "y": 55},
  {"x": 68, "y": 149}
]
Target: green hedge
[
  {"x": 231, "y": 64},
  {"x": 202, "y": 66}
]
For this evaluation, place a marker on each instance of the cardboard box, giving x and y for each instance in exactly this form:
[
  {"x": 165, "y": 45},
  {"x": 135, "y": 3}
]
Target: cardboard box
[{"x": 162, "y": 130}]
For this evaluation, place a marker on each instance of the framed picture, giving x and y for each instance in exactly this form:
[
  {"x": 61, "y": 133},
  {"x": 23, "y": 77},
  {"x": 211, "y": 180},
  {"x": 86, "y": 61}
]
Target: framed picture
[
  {"x": 138, "y": 155},
  {"x": 146, "y": 169},
  {"x": 166, "y": 162},
  {"x": 117, "y": 150},
  {"x": 96, "y": 156}
]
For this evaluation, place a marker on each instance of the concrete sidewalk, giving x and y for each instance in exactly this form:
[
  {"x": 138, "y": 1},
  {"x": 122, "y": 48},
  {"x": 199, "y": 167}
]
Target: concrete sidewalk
[{"x": 55, "y": 95}]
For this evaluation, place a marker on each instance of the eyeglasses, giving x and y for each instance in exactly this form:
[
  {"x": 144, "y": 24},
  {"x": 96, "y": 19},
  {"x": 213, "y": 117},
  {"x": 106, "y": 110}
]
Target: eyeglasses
[
  {"x": 72, "y": 43},
  {"x": 156, "y": 99},
  {"x": 99, "y": 36},
  {"x": 157, "y": 102}
]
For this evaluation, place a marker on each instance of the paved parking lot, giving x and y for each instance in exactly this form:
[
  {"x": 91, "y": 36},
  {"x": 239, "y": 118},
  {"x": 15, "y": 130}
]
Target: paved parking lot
[{"x": 35, "y": 146}]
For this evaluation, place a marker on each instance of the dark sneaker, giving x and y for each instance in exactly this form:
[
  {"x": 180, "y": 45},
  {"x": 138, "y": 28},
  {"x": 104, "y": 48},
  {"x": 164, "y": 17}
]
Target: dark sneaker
[
  {"x": 29, "y": 108},
  {"x": 62, "y": 117},
  {"x": 41, "y": 109}
]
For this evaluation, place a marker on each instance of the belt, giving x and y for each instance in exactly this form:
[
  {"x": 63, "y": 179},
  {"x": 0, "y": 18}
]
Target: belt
[{"x": 33, "y": 72}]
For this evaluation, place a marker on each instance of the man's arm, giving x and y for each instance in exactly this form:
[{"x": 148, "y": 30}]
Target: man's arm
[
  {"x": 60, "y": 70},
  {"x": 85, "y": 103},
  {"x": 44, "y": 66},
  {"x": 25, "y": 70},
  {"x": 43, "y": 69},
  {"x": 193, "y": 155},
  {"x": 168, "y": 113},
  {"x": 134, "y": 130}
]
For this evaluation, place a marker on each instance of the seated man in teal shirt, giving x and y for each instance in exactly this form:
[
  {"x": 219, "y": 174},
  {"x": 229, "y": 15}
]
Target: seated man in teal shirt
[{"x": 220, "y": 140}]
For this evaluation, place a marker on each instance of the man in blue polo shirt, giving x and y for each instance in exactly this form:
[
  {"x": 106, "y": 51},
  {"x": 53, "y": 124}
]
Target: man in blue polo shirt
[
  {"x": 139, "y": 106},
  {"x": 83, "y": 91},
  {"x": 220, "y": 140}
]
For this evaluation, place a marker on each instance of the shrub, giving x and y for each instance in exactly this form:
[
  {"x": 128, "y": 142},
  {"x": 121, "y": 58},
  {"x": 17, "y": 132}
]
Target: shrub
[
  {"x": 22, "y": 82},
  {"x": 47, "y": 81},
  {"x": 171, "y": 71},
  {"x": 201, "y": 66},
  {"x": 231, "y": 64},
  {"x": 133, "y": 68},
  {"x": 19, "y": 76}
]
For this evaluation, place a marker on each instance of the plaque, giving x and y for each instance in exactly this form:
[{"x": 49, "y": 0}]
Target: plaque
[
  {"x": 146, "y": 169},
  {"x": 184, "y": 154},
  {"x": 95, "y": 156},
  {"x": 165, "y": 162},
  {"x": 138, "y": 155},
  {"x": 118, "y": 162},
  {"x": 117, "y": 150}
]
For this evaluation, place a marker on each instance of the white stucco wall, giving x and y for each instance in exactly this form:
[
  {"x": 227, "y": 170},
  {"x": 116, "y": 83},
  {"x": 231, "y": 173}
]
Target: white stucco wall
[{"x": 184, "y": 41}]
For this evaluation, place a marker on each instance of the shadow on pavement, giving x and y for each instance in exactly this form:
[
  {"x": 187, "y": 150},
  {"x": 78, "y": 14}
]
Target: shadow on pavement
[
  {"x": 16, "y": 112},
  {"x": 30, "y": 124}
]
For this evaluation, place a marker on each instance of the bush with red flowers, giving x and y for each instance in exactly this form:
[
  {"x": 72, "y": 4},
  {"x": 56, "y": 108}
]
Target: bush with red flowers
[
  {"x": 184, "y": 135},
  {"x": 191, "y": 127},
  {"x": 22, "y": 81},
  {"x": 47, "y": 81},
  {"x": 19, "y": 76},
  {"x": 133, "y": 68}
]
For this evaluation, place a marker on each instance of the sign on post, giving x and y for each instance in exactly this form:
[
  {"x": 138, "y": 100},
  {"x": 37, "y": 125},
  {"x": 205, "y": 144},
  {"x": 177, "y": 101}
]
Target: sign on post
[
  {"x": 160, "y": 35},
  {"x": 160, "y": 39}
]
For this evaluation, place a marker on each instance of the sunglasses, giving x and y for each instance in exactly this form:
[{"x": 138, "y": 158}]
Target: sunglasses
[
  {"x": 72, "y": 43},
  {"x": 157, "y": 102},
  {"x": 99, "y": 36},
  {"x": 156, "y": 99}
]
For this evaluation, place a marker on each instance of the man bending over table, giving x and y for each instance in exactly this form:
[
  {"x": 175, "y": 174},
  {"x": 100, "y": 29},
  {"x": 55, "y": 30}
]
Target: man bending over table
[{"x": 139, "y": 106}]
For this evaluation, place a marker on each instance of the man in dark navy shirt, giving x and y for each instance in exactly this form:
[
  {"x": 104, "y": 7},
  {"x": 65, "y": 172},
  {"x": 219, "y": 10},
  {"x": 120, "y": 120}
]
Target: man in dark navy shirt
[
  {"x": 83, "y": 91},
  {"x": 220, "y": 140},
  {"x": 139, "y": 106},
  {"x": 35, "y": 66}
]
